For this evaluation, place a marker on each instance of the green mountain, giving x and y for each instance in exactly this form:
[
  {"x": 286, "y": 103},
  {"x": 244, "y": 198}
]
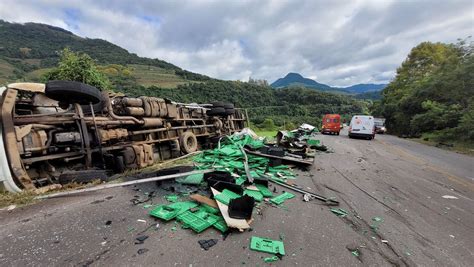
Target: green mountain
[
  {"x": 295, "y": 79},
  {"x": 26, "y": 50}
]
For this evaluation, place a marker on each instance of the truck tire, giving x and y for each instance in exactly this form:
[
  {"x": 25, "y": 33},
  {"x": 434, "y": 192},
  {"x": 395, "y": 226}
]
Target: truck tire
[
  {"x": 83, "y": 176},
  {"x": 219, "y": 111},
  {"x": 218, "y": 104},
  {"x": 228, "y": 106},
  {"x": 188, "y": 142},
  {"x": 73, "y": 92},
  {"x": 229, "y": 111}
]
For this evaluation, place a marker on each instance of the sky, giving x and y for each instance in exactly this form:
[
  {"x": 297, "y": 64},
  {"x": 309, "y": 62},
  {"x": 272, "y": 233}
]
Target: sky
[{"x": 339, "y": 43}]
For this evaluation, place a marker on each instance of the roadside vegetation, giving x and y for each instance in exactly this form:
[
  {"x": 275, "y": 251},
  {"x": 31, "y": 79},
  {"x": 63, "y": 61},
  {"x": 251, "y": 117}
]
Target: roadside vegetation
[{"x": 432, "y": 95}]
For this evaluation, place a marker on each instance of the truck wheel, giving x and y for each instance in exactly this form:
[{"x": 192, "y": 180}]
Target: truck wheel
[
  {"x": 229, "y": 111},
  {"x": 219, "y": 111},
  {"x": 73, "y": 92},
  {"x": 229, "y": 106},
  {"x": 218, "y": 104},
  {"x": 337, "y": 133},
  {"x": 83, "y": 176},
  {"x": 188, "y": 142}
]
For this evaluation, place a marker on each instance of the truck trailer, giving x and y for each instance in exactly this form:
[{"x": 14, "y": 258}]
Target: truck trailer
[{"x": 65, "y": 131}]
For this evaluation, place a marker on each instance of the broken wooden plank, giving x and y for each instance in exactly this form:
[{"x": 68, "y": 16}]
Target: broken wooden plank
[{"x": 205, "y": 200}]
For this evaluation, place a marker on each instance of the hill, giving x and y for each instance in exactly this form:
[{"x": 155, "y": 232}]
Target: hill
[
  {"x": 295, "y": 79},
  {"x": 27, "y": 49}
]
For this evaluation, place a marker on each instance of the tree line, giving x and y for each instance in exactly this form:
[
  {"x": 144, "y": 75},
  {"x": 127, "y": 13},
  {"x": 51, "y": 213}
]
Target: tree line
[{"x": 432, "y": 93}]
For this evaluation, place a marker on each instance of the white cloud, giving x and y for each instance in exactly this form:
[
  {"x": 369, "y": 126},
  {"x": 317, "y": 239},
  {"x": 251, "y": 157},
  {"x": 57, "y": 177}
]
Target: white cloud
[{"x": 337, "y": 42}]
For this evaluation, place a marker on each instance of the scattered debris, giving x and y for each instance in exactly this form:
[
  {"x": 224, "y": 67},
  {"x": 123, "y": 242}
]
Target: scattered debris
[
  {"x": 355, "y": 253},
  {"x": 206, "y": 244},
  {"x": 449, "y": 197},
  {"x": 11, "y": 207},
  {"x": 281, "y": 198},
  {"x": 376, "y": 221},
  {"x": 141, "y": 239},
  {"x": 109, "y": 222},
  {"x": 142, "y": 250},
  {"x": 339, "y": 212},
  {"x": 142, "y": 221},
  {"x": 172, "y": 198},
  {"x": 271, "y": 259},
  {"x": 329, "y": 201},
  {"x": 267, "y": 245}
]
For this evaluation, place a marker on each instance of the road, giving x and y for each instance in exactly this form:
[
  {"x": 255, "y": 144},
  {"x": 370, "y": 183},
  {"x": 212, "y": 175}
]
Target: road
[{"x": 399, "y": 181}]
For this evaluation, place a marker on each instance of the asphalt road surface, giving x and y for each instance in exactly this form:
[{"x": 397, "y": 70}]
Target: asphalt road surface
[{"x": 422, "y": 196}]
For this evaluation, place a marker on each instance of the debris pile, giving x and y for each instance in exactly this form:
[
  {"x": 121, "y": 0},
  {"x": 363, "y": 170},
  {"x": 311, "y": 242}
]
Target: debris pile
[
  {"x": 300, "y": 140},
  {"x": 239, "y": 183}
]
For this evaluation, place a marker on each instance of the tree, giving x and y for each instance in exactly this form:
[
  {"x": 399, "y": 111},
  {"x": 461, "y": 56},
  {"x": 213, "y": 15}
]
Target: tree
[
  {"x": 432, "y": 89},
  {"x": 78, "y": 67}
]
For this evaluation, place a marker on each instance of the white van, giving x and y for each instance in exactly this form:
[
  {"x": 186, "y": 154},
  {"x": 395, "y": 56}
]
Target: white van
[{"x": 362, "y": 126}]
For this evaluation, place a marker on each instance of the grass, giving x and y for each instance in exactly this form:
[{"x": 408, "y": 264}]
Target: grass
[
  {"x": 6, "y": 70},
  {"x": 36, "y": 74},
  {"x": 28, "y": 197},
  {"x": 264, "y": 133},
  {"x": 150, "y": 75},
  {"x": 460, "y": 146},
  {"x": 19, "y": 199}
]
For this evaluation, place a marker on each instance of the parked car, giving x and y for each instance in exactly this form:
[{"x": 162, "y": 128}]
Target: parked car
[
  {"x": 380, "y": 125},
  {"x": 331, "y": 124},
  {"x": 362, "y": 126},
  {"x": 65, "y": 131}
]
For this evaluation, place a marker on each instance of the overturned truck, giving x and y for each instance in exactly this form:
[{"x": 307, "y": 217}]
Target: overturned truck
[{"x": 65, "y": 131}]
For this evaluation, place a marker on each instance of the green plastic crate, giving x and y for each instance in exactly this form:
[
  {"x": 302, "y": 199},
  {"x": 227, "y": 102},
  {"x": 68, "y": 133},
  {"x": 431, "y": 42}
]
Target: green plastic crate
[
  {"x": 281, "y": 198},
  {"x": 209, "y": 209},
  {"x": 165, "y": 212},
  {"x": 241, "y": 180},
  {"x": 225, "y": 196},
  {"x": 208, "y": 217},
  {"x": 191, "y": 179},
  {"x": 267, "y": 245},
  {"x": 221, "y": 225},
  {"x": 193, "y": 221},
  {"x": 264, "y": 190},
  {"x": 313, "y": 142},
  {"x": 255, "y": 194},
  {"x": 183, "y": 206}
]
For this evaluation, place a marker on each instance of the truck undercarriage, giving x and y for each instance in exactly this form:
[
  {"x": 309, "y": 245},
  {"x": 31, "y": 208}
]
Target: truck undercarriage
[{"x": 66, "y": 131}]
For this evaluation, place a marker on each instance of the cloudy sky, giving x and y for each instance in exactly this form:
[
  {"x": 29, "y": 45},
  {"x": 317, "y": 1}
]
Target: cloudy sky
[{"x": 335, "y": 42}]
